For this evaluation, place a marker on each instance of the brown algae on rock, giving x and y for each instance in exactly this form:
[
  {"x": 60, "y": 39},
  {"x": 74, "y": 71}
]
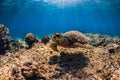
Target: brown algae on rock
[{"x": 30, "y": 39}]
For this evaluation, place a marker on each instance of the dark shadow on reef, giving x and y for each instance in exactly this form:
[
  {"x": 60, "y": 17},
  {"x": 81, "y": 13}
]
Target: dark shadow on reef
[{"x": 70, "y": 63}]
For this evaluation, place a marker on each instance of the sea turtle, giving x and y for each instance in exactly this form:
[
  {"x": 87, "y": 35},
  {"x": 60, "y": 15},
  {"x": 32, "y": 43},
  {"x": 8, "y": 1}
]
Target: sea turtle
[{"x": 69, "y": 39}]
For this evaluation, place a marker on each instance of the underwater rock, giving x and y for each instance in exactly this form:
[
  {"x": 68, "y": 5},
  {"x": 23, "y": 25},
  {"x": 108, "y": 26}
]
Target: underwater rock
[
  {"x": 45, "y": 39},
  {"x": 15, "y": 45},
  {"x": 16, "y": 74},
  {"x": 118, "y": 61},
  {"x": 4, "y": 40},
  {"x": 69, "y": 39},
  {"x": 30, "y": 39},
  {"x": 112, "y": 48},
  {"x": 28, "y": 71},
  {"x": 3, "y": 30},
  {"x": 102, "y": 42},
  {"x": 7, "y": 43}
]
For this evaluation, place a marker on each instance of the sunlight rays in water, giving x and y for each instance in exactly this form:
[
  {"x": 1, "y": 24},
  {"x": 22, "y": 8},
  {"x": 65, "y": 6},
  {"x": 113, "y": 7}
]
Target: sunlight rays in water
[
  {"x": 62, "y": 3},
  {"x": 68, "y": 3},
  {"x": 81, "y": 3}
]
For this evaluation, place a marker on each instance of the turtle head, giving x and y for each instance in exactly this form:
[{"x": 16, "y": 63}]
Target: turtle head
[{"x": 56, "y": 37}]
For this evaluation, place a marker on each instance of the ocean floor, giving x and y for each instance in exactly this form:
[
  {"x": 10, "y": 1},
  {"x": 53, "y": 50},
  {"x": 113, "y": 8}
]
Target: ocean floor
[{"x": 99, "y": 59}]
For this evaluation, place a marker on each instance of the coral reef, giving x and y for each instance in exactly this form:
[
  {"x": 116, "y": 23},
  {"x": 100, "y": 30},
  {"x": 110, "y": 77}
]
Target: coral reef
[
  {"x": 15, "y": 45},
  {"x": 99, "y": 59},
  {"x": 30, "y": 39},
  {"x": 45, "y": 39},
  {"x": 112, "y": 48},
  {"x": 4, "y": 40},
  {"x": 98, "y": 40},
  {"x": 29, "y": 70},
  {"x": 7, "y": 43}
]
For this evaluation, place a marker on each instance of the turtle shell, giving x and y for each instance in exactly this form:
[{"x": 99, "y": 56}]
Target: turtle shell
[{"x": 76, "y": 36}]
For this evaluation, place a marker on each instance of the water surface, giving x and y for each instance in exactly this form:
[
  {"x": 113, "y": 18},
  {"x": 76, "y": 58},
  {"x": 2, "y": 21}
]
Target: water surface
[{"x": 43, "y": 17}]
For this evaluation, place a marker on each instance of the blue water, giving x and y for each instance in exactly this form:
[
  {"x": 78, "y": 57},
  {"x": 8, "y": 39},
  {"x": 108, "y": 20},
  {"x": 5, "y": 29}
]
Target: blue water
[{"x": 43, "y": 17}]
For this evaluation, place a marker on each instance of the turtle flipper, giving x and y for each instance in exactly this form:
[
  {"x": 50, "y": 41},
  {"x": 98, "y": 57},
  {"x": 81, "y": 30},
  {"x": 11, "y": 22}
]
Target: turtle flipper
[
  {"x": 54, "y": 47},
  {"x": 77, "y": 44}
]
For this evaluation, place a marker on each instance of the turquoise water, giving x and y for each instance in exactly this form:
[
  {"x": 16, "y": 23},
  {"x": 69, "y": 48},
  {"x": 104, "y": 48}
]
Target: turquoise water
[{"x": 43, "y": 17}]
